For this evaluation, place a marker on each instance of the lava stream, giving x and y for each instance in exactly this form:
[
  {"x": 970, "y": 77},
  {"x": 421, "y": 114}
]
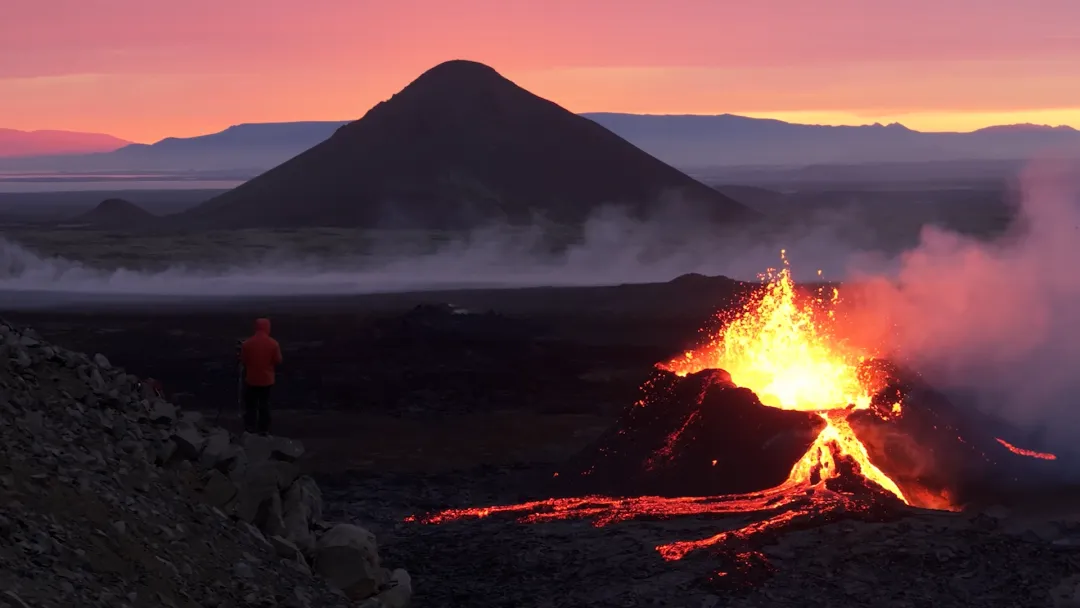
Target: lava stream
[
  {"x": 781, "y": 346},
  {"x": 1029, "y": 453},
  {"x": 804, "y": 493}
]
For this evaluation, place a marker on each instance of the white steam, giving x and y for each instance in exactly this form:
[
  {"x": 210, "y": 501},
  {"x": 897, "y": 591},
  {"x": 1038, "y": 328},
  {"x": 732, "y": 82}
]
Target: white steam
[
  {"x": 614, "y": 249},
  {"x": 998, "y": 321}
]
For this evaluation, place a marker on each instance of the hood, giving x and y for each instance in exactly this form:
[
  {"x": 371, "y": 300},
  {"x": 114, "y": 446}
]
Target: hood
[{"x": 262, "y": 326}]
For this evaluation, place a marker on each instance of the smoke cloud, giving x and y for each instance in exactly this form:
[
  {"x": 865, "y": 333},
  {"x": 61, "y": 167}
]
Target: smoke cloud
[
  {"x": 996, "y": 322},
  {"x": 612, "y": 248}
]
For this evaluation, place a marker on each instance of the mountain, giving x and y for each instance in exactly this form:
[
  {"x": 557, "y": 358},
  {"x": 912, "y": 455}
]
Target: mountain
[
  {"x": 730, "y": 140},
  {"x": 459, "y": 145},
  {"x": 252, "y": 147},
  {"x": 14, "y": 143},
  {"x": 117, "y": 214}
]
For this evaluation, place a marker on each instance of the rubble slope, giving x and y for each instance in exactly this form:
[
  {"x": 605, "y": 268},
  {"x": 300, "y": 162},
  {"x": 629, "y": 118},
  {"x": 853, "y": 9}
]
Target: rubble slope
[{"x": 111, "y": 496}]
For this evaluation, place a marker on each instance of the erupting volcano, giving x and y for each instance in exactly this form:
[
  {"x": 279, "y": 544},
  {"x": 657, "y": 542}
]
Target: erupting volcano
[{"x": 767, "y": 416}]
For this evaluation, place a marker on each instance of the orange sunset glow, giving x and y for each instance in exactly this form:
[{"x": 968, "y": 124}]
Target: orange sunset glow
[{"x": 146, "y": 70}]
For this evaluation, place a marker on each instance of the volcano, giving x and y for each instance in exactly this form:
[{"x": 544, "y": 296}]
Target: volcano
[
  {"x": 777, "y": 414},
  {"x": 459, "y": 146},
  {"x": 118, "y": 214}
]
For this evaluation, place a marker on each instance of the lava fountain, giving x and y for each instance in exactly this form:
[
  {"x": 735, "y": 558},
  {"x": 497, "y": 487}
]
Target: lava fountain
[{"x": 782, "y": 345}]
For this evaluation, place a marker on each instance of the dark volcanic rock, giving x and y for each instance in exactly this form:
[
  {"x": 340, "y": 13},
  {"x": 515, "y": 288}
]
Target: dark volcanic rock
[
  {"x": 460, "y": 145},
  {"x": 694, "y": 436}
]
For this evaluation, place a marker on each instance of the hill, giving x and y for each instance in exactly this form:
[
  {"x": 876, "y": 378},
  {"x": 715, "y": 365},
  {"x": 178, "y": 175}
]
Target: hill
[
  {"x": 119, "y": 214},
  {"x": 15, "y": 143},
  {"x": 730, "y": 140},
  {"x": 458, "y": 146}
]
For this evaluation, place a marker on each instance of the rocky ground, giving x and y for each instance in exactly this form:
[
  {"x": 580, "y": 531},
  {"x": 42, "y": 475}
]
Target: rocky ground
[
  {"x": 111, "y": 496},
  {"x": 444, "y": 443}
]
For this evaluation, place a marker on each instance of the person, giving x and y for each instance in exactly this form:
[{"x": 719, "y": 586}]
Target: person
[{"x": 259, "y": 355}]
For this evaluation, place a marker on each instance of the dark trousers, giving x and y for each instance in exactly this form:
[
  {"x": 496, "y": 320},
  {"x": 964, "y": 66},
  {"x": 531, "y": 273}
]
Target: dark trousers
[{"x": 257, "y": 409}]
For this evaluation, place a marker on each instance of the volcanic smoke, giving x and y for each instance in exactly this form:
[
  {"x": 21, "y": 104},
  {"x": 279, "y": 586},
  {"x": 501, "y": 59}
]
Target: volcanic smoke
[{"x": 782, "y": 344}]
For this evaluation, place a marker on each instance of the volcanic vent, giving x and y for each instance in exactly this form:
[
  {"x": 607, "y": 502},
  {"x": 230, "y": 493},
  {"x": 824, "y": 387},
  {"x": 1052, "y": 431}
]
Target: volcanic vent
[{"x": 775, "y": 414}]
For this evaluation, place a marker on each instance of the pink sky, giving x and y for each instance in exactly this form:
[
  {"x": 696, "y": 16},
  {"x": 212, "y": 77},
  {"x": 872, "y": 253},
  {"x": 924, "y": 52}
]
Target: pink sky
[{"x": 144, "y": 70}]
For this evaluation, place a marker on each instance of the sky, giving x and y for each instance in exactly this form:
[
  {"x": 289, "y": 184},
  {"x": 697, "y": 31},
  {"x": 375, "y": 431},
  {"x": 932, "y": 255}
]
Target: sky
[{"x": 143, "y": 70}]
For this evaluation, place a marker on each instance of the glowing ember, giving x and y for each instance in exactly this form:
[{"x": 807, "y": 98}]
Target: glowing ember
[
  {"x": 781, "y": 346},
  {"x": 1029, "y": 453}
]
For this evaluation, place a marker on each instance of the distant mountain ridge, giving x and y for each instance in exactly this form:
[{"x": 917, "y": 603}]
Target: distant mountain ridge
[
  {"x": 730, "y": 140},
  {"x": 16, "y": 143},
  {"x": 688, "y": 141},
  {"x": 250, "y": 146},
  {"x": 459, "y": 146}
]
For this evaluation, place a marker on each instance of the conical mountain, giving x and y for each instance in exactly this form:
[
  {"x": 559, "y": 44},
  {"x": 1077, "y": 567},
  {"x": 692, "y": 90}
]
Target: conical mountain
[
  {"x": 117, "y": 213},
  {"x": 458, "y": 146}
]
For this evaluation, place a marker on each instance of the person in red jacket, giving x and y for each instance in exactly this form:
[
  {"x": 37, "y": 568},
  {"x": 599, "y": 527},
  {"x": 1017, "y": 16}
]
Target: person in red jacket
[{"x": 259, "y": 355}]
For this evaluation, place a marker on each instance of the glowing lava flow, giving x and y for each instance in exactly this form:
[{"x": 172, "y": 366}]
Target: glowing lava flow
[
  {"x": 779, "y": 345},
  {"x": 1029, "y": 453}
]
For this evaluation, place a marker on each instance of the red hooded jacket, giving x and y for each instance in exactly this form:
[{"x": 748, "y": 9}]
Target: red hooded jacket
[{"x": 259, "y": 354}]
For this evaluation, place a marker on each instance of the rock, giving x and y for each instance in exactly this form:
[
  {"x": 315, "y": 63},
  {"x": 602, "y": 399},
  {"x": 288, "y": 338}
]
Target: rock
[
  {"x": 97, "y": 383},
  {"x": 1067, "y": 593},
  {"x": 164, "y": 452},
  {"x": 283, "y": 547},
  {"x": 243, "y": 570},
  {"x": 217, "y": 450},
  {"x": 22, "y": 359},
  {"x": 218, "y": 491},
  {"x": 162, "y": 412},
  {"x": 256, "y": 447},
  {"x": 17, "y": 601},
  {"x": 302, "y": 507},
  {"x": 259, "y": 499},
  {"x": 101, "y": 361},
  {"x": 189, "y": 441},
  {"x": 191, "y": 417},
  {"x": 399, "y": 590},
  {"x": 261, "y": 448},
  {"x": 347, "y": 557},
  {"x": 289, "y": 450}
]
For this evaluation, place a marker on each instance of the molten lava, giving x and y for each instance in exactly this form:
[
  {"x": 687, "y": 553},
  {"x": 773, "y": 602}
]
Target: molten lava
[
  {"x": 781, "y": 344},
  {"x": 1022, "y": 452},
  {"x": 782, "y": 347}
]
